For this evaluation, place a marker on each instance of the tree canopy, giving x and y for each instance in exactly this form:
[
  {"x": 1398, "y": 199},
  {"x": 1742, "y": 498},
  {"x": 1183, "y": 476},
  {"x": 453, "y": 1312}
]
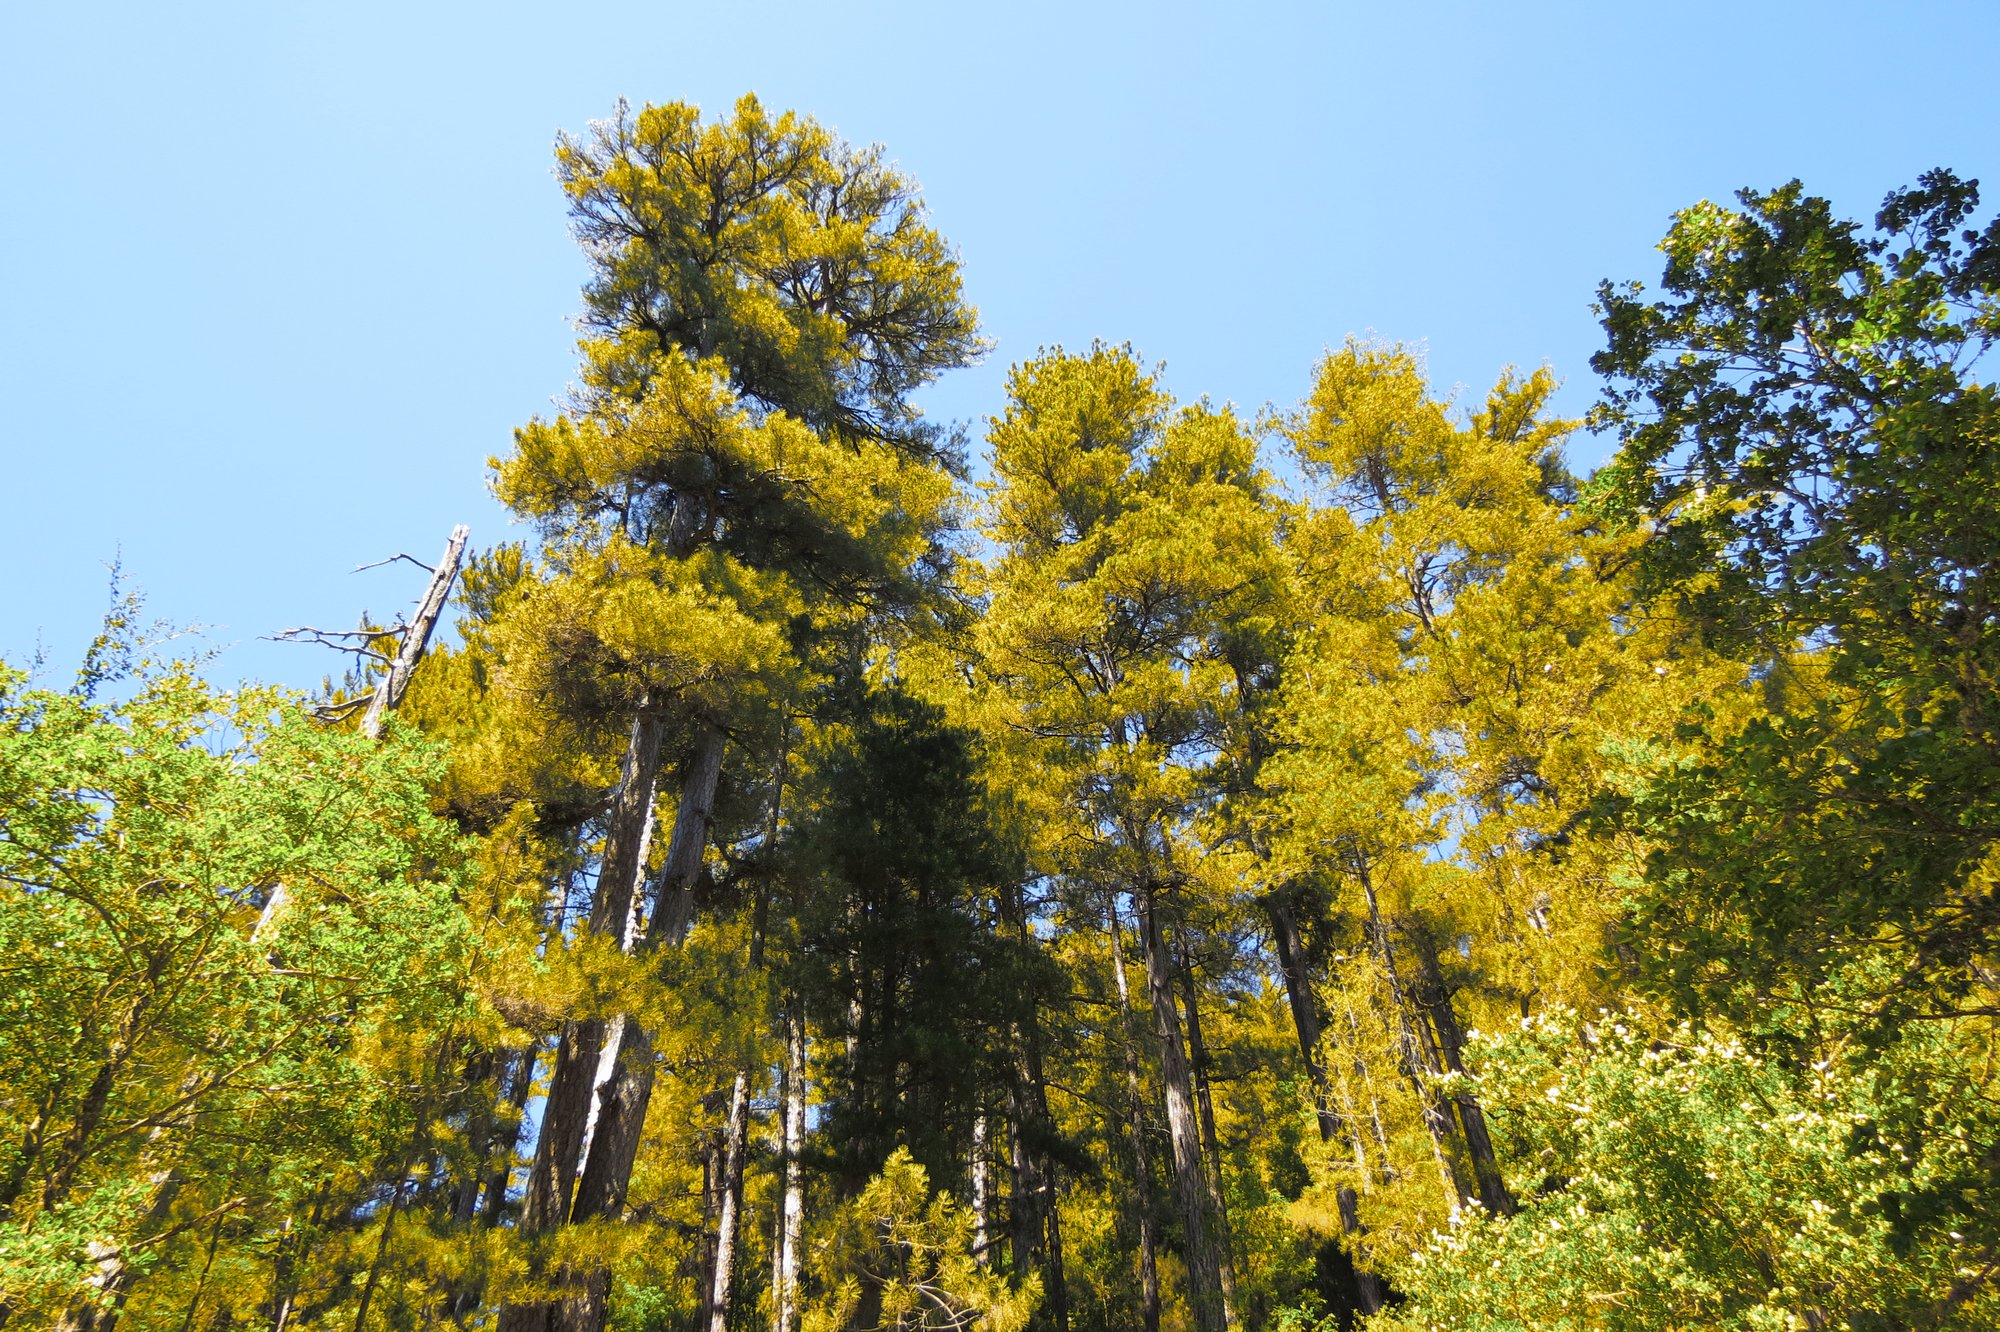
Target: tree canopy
[{"x": 1322, "y": 869}]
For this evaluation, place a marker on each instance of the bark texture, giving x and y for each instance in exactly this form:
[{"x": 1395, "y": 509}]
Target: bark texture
[{"x": 1205, "y": 1298}]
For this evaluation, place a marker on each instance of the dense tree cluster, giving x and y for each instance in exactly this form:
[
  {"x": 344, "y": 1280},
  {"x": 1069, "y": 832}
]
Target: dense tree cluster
[{"x": 1326, "y": 869}]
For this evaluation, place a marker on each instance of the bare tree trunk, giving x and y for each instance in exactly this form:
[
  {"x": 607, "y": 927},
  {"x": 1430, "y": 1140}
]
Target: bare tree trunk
[
  {"x": 1212, "y": 1148},
  {"x": 1183, "y": 1133},
  {"x": 791, "y": 1206},
  {"x": 390, "y": 692},
  {"x": 1142, "y": 1176}
]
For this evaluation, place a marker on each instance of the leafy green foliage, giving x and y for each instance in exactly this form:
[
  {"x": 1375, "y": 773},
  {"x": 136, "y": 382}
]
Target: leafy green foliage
[
  {"x": 1683, "y": 1180},
  {"x": 1812, "y": 460},
  {"x": 228, "y": 932}
]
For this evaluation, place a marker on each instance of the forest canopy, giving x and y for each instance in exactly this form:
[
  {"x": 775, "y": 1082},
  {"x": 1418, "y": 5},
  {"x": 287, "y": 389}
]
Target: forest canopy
[{"x": 1146, "y": 866}]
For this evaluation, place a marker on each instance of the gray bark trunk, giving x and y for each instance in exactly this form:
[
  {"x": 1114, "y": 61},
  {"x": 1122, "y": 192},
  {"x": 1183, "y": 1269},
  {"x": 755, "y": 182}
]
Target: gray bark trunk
[
  {"x": 732, "y": 1203},
  {"x": 1142, "y": 1176},
  {"x": 390, "y": 692},
  {"x": 1211, "y": 1146},
  {"x": 570, "y": 1116},
  {"x": 627, "y": 1088},
  {"x": 981, "y": 1172},
  {"x": 1183, "y": 1132},
  {"x": 791, "y": 1205}
]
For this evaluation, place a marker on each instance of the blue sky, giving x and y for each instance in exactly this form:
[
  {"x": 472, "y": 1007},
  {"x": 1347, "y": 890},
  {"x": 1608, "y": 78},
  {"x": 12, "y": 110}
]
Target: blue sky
[{"x": 279, "y": 278}]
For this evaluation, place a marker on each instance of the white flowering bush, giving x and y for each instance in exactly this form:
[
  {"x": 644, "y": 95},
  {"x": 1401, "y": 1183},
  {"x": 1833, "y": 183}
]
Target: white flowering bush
[{"x": 1679, "y": 1180}]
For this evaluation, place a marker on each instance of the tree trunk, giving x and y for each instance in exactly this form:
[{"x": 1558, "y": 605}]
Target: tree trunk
[
  {"x": 1436, "y": 999},
  {"x": 791, "y": 1205},
  {"x": 1211, "y": 1146},
  {"x": 622, "y": 1095},
  {"x": 732, "y": 1203},
  {"x": 1305, "y": 1011},
  {"x": 1183, "y": 1133},
  {"x": 508, "y": 1141},
  {"x": 1385, "y": 1169},
  {"x": 1142, "y": 1176},
  {"x": 1038, "y": 1226},
  {"x": 1332, "y": 1124},
  {"x": 981, "y": 1171},
  {"x": 390, "y": 692},
  {"x": 570, "y": 1118},
  {"x": 1419, "y": 1057}
]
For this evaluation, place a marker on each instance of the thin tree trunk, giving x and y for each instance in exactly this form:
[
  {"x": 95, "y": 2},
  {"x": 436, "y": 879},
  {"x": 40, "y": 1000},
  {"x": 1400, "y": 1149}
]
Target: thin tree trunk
[
  {"x": 732, "y": 1203},
  {"x": 1385, "y": 1170},
  {"x": 1305, "y": 1011},
  {"x": 1205, "y": 1104},
  {"x": 508, "y": 1138},
  {"x": 791, "y": 1207},
  {"x": 1493, "y": 1192},
  {"x": 736, "y": 1131},
  {"x": 1332, "y": 1123},
  {"x": 1036, "y": 1177},
  {"x": 982, "y": 1189},
  {"x": 1142, "y": 1175},
  {"x": 390, "y": 692},
  {"x": 1419, "y": 1058},
  {"x": 1183, "y": 1132}
]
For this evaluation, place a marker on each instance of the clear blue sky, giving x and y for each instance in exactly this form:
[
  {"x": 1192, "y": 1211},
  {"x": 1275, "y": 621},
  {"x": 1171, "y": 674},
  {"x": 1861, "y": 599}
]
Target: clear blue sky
[{"x": 279, "y": 277}]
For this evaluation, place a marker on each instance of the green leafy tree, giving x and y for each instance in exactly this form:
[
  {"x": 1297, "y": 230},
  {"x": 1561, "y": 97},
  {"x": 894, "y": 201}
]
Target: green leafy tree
[
  {"x": 232, "y": 934},
  {"x": 1815, "y": 465},
  {"x": 1681, "y": 1179}
]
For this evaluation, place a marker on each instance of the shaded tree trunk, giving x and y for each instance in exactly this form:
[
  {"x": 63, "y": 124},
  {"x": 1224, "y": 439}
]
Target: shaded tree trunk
[
  {"x": 1436, "y": 999},
  {"x": 1183, "y": 1132},
  {"x": 570, "y": 1112},
  {"x": 1211, "y": 1145},
  {"x": 1414, "y": 1047},
  {"x": 1286, "y": 943},
  {"x": 1142, "y": 1176},
  {"x": 1332, "y": 1124}
]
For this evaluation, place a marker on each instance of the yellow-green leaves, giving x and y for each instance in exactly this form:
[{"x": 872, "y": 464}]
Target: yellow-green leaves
[{"x": 805, "y": 264}]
